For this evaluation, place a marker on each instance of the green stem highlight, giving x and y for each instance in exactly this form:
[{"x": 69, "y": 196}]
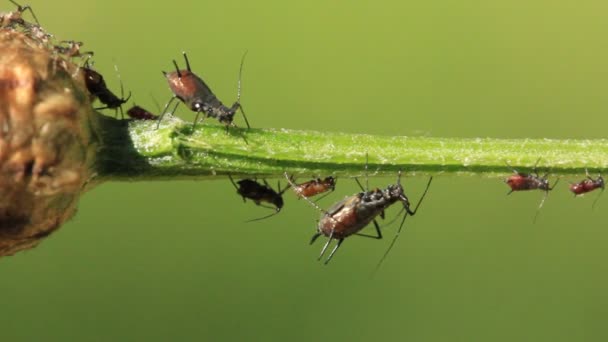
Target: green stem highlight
[{"x": 137, "y": 150}]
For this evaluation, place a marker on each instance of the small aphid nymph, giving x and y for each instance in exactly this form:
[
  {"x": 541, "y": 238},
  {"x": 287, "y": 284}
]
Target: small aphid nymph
[
  {"x": 587, "y": 185},
  {"x": 138, "y": 113},
  {"x": 314, "y": 187}
]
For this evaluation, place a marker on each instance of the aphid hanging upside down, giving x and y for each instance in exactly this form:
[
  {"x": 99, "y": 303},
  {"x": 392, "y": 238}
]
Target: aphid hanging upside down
[
  {"x": 530, "y": 181},
  {"x": 194, "y": 93},
  {"x": 350, "y": 215},
  {"x": 260, "y": 193},
  {"x": 313, "y": 187},
  {"x": 588, "y": 185}
]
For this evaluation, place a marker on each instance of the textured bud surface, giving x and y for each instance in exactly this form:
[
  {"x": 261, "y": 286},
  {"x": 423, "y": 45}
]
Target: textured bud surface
[{"x": 47, "y": 145}]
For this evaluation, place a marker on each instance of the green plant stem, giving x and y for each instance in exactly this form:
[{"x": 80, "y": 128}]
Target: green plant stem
[{"x": 140, "y": 151}]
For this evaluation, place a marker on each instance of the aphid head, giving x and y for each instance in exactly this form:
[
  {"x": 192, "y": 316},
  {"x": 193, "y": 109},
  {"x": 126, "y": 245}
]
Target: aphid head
[
  {"x": 330, "y": 182},
  {"x": 600, "y": 182},
  {"x": 226, "y": 115},
  {"x": 395, "y": 191}
]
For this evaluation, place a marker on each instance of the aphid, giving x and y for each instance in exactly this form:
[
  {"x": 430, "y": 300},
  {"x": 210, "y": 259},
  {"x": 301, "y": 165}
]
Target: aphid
[
  {"x": 10, "y": 19},
  {"x": 314, "y": 187},
  {"x": 260, "y": 193},
  {"x": 530, "y": 181},
  {"x": 138, "y": 113},
  {"x": 588, "y": 185},
  {"x": 72, "y": 49},
  {"x": 350, "y": 215},
  {"x": 37, "y": 32},
  {"x": 98, "y": 88},
  {"x": 194, "y": 93}
]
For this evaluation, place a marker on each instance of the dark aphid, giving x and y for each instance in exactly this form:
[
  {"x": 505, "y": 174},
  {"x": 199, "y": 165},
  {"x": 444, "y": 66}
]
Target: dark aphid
[
  {"x": 588, "y": 185},
  {"x": 98, "y": 88},
  {"x": 350, "y": 215},
  {"x": 259, "y": 194},
  {"x": 9, "y": 19},
  {"x": 196, "y": 94},
  {"x": 71, "y": 48},
  {"x": 138, "y": 113},
  {"x": 314, "y": 187},
  {"x": 530, "y": 181}
]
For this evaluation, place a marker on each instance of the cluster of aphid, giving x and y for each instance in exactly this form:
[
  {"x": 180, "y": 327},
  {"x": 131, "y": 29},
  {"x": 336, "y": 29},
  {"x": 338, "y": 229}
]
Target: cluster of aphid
[
  {"x": 533, "y": 181},
  {"x": 345, "y": 218}
]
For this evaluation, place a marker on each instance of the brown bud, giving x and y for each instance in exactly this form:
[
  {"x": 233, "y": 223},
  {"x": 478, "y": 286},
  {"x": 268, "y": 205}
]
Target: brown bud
[{"x": 47, "y": 142}]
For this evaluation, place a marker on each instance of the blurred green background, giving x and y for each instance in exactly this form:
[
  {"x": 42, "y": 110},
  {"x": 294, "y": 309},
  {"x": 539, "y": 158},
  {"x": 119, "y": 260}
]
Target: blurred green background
[{"x": 174, "y": 260}]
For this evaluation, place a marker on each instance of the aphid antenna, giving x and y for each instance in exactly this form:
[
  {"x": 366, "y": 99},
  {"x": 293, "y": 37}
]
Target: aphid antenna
[
  {"x": 411, "y": 213},
  {"x": 122, "y": 90},
  {"x": 366, "y": 176},
  {"x": 264, "y": 217},
  {"x": 22, "y": 9},
  {"x": 554, "y": 184},
  {"x": 238, "y": 92}
]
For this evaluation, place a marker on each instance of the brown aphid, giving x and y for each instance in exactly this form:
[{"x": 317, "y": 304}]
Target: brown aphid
[
  {"x": 138, "y": 113},
  {"x": 314, "y": 187},
  {"x": 190, "y": 89},
  {"x": 350, "y": 215},
  {"x": 588, "y": 185},
  {"x": 10, "y": 19},
  {"x": 530, "y": 181}
]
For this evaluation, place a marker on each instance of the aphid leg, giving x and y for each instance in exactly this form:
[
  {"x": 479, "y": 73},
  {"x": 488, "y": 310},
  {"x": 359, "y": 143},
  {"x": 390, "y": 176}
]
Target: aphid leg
[
  {"x": 407, "y": 211},
  {"x": 198, "y": 113},
  {"x": 540, "y": 206},
  {"x": 378, "y": 235},
  {"x": 597, "y": 198},
  {"x": 244, "y": 116},
  {"x": 160, "y": 118},
  {"x": 22, "y": 9},
  {"x": 334, "y": 251}
]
